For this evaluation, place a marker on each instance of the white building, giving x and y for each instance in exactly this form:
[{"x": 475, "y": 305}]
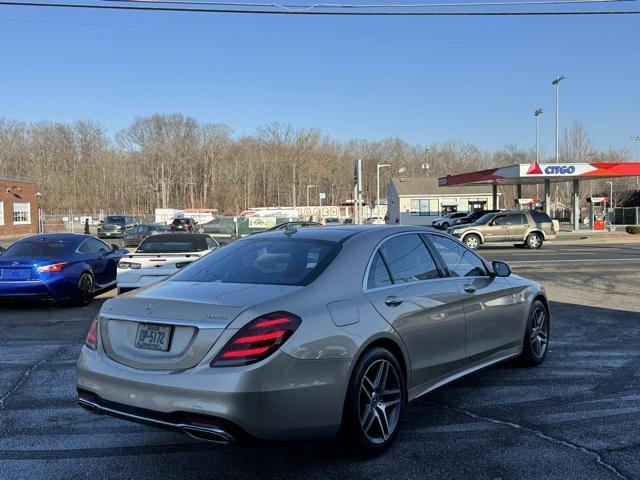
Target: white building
[{"x": 417, "y": 201}]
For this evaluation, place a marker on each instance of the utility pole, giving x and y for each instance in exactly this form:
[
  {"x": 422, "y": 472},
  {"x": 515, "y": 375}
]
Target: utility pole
[
  {"x": 556, "y": 83},
  {"x": 378, "y": 167},
  {"x": 294, "y": 185},
  {"x": 537, "y": 114},
  {"x": 308, "y": 187}
]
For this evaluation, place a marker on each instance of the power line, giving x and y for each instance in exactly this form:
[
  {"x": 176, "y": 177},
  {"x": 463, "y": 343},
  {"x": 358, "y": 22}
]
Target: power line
[
  {"x": 309, "y": 12},
  {"x": 371, "y": 6}
]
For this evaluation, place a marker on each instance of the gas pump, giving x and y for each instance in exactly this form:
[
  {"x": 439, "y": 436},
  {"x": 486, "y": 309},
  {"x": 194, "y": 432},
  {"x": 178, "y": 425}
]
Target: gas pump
[{"x": 597, "y": 212}]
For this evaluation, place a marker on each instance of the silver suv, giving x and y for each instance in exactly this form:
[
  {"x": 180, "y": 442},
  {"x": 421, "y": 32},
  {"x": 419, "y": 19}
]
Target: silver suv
[{"x": 529, "y": 227}]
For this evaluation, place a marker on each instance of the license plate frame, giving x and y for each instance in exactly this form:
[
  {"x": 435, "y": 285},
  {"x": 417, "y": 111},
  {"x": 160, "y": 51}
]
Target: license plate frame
[
  {"x": 154, "y": 336},
  {"x": 16, "y": 274}
]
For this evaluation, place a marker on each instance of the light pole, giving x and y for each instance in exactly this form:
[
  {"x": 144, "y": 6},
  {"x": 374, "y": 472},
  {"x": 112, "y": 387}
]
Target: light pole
[
  {"x": 308, "y": 187},
  {"x": 556, "y": 83},
  {"x": 537, "y": 114},
  {"x": 636, "y": 140},
  {"x": 610, "y": 193},
  {"x": 425, "y": 165},
  {"x": 378, "y": 167}
]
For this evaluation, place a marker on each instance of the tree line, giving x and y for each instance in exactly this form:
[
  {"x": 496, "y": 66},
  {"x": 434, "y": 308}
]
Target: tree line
[{"x": 174, "y": 161}]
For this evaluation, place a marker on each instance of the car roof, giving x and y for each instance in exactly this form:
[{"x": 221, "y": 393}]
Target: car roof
[
  {"x": 341, "y": 233},
  {"x": 57, "y": 237}
]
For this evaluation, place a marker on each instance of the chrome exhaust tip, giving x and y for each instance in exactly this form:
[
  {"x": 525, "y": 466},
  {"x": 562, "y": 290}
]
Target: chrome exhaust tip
[{"x": 208, "y": 434}]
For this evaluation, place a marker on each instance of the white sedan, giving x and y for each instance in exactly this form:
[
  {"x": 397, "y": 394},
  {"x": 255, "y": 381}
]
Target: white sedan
[{"x": 160, "y": 256}]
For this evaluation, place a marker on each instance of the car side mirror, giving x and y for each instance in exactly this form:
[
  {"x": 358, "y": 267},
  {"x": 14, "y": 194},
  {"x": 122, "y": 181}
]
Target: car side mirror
[
  {"x": 500, "y": 269},
  {"x": 115, "y": 247}
]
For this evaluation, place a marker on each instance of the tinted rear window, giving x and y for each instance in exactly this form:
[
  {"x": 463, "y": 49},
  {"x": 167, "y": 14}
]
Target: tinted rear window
[
  {"x": 540, "y": 217},
  {"x": 166, "y": 244},
  {"x": 36, "y": 248},
  {"x": 264, "y": 261},
  {"x": 114, "y": 219}
]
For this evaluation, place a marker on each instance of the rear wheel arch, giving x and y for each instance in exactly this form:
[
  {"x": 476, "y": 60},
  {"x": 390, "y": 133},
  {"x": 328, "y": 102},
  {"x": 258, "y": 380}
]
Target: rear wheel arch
[{"x": 394, "y": 348}]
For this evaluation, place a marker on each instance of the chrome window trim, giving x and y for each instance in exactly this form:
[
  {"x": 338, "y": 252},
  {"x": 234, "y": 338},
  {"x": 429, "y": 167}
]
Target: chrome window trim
[{"x": 377, "y": 248}]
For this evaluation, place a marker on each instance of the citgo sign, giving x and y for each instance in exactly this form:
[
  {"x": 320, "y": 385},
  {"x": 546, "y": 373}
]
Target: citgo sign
[{"x": 560, "y": 170}]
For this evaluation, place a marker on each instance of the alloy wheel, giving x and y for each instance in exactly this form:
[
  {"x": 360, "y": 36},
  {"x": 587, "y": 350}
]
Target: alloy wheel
[
  {"x": 534, "y": 241},
  {"x": 539, "y": 332},
  {"x": 380, "y": 401},
  {"x": 471, "y": 242}
]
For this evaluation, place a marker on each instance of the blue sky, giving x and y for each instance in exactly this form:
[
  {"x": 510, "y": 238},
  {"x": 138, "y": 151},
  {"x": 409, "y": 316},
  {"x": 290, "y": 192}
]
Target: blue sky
[{"x": 425, "y": 79}]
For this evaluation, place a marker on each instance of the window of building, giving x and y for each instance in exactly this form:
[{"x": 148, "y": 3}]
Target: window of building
[
  {"x": 21, "y": 213},
  {"x": 424, "y": 206}
]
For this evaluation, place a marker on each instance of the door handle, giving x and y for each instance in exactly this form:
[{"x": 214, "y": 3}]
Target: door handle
[
  {"x": 393, "y": 301},
  {"x": 469, "y": 288}
]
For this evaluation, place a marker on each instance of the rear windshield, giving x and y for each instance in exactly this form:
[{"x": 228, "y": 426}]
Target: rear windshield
[
  {"x": 114, "y": 219},
  {"x": 166, "y": 244},
  {"x": 36, "y": 248},
  {"x": 264, "y": 261},
  {"x": 540, "y": 216}
]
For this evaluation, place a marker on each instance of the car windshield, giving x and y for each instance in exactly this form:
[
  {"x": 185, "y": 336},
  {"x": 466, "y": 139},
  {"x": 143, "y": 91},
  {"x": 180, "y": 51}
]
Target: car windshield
[
  {"x": 264, "y": 261},
  {"x": 165, "y": 244},
  {"x": 114, "y": 219},
  {"x": 36, "y": 248}
]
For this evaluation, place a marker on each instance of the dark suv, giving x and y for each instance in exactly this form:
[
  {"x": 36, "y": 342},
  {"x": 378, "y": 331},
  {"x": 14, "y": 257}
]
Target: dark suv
[
  {"x": 472, "y": 217},
  {"x": 114, "y": 226},
  {"x": 185, "y": 224}
]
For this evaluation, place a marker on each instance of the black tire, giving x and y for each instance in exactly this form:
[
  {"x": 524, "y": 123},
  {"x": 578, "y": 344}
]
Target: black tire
[
  {"x": 445, "y": 225},
  {"x": 535, "y": 344},
  {"x": 383, "y": 402},
  {"x": 472, "y": 241},
  {"x": 534, "y": 240},
  {"x": 85, "y": 290}
]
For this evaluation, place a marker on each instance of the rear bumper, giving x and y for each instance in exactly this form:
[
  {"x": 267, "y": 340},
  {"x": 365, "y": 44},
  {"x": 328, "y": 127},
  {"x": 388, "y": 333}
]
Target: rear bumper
[
  {"x": 277, "y": 399},
  {"x": 33, "y": 289}
]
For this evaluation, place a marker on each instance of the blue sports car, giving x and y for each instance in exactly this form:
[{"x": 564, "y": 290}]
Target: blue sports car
[{"x": 58, "y": 266}]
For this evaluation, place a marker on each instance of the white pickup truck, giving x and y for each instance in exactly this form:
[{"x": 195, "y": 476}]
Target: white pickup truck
[{"x": 159, "y": 257}]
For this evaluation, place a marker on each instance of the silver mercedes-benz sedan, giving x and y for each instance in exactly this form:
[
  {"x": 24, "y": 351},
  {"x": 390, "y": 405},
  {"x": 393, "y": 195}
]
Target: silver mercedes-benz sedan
[{"x": 316, "y": 332}]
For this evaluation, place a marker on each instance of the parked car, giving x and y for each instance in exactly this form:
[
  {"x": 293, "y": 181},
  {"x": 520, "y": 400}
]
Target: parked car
[
  {"x": 211, "y": 227},
  {"x": 445, "y": 221},
  {"x": 135, "y": 235},
  {"x": 185, "y": 225},
  {"x": 472, "y": 217},
  {"x": 531, "y": 228},
  {"x": 58, "y": 266},
  {"x": 375, "y": 221},
  {"x": 115, "y": 226},
  {"x": 332, "y": 221},
  {"x": 159, "y": 257},
  {"x": 348, "y": 323}
]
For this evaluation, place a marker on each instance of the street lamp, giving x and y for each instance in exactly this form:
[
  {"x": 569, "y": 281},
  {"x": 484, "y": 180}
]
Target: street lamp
[
  {"x": 378, "y": 167},
  {"x": 610, "y": 193},
  {"x": 537, "y": 114},
  {"x": 308, "y": 187},
  {"x": 556, "y": 83},
  {"x": 636, "y": 140},
  {"x": 425, "y": 165}
]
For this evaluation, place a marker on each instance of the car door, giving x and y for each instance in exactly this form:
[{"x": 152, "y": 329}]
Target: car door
[
  {"x": 107, "y": 260},
  {"x": 492, "y": 315},
  {"x": 407, "y": 288},
  {"x": 498, "y": 229},
  {"x": 518, "y": 226}
]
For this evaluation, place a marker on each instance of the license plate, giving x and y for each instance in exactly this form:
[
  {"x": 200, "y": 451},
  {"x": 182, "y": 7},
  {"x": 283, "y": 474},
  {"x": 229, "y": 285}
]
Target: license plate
[
  {"x": 15, "y": 273},
  {"x": 153, "y": 337}
]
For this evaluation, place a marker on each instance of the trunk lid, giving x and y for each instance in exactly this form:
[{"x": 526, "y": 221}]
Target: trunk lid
[
  {"x": 196, "y": 312},
  {"x": 19, "y": 270}
]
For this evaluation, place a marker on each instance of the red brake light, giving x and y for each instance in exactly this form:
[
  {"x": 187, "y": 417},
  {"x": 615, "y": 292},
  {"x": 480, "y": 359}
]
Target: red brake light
[
  {"x": 92, "y": 337},
  {"x": 257, "y": 340},
  {"x": 55, "y": 267}
]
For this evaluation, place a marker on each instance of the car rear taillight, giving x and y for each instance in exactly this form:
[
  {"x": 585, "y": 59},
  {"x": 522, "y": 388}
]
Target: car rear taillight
[
  {"x": 257, "y": 340},
  {"x": 92, "y": 337},
  {"x": 55, "y": 267}
]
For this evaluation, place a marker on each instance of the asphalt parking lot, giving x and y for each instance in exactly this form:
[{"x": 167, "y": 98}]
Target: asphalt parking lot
[{"x": 575, "y": 416}]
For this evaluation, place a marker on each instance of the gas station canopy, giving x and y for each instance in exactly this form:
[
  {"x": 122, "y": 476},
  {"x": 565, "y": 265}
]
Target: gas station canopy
[{"x": 530, "y": 174}]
